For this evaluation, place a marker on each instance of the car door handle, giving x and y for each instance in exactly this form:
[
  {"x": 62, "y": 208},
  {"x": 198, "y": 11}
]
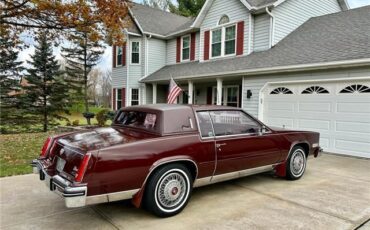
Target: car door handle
[{"x": 219, "y": 145}]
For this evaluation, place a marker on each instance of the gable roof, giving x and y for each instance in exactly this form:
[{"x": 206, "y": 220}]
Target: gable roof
[
  {"x": 158, "y": 22},
  {"x": 324, "y": 40}
]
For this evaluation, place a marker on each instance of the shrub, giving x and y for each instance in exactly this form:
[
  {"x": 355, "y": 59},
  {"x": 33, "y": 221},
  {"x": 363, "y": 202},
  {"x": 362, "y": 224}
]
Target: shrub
[
  {"x": 110, "y": 115},
  {"x": 102, "y": 117},
  {"x": 88, "y": 116},
  {"x": 75, "y": 122}
]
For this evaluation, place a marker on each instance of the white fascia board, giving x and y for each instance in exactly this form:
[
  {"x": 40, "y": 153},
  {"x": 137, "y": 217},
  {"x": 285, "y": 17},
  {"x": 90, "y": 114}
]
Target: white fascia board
[
  {"x": 202, "y": 13},
  {"x": 135, "y": 20}
]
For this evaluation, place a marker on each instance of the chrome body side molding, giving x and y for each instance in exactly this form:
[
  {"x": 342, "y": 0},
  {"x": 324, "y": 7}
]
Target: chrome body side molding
[{"x": 232, "y": 175}]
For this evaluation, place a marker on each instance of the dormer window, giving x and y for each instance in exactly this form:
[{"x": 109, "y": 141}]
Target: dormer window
[
  {"x": 223, "y": 20},
  {"x": 185, "y": 48}
]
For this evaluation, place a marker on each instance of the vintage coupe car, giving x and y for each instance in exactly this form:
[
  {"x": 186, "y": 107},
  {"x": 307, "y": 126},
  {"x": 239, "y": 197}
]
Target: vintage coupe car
[{"x": 156, "y": 154}]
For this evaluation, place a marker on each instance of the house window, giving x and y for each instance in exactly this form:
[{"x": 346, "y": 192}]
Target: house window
[
  {"x": 223, "y": 41},
  {"x": 118, "y": 98},
  {"x": 229, "y": 97},
  {"x": 216, "y": 42},
  {"x": 223, "y": 20},
  {"x": 356, "y": 89},
  {"x": 134, "y": 96},
  {"x": 135, "y": 52},
  {"x": 185, "y": 48},
  {"x": 230, "y": 40},
  {"x": 119, "y": 55}
]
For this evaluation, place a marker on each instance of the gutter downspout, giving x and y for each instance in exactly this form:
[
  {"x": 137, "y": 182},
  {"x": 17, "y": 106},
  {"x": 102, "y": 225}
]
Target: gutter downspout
[
  {"x": 128, "y": 61},
  {"x": 272, "y": 27}
]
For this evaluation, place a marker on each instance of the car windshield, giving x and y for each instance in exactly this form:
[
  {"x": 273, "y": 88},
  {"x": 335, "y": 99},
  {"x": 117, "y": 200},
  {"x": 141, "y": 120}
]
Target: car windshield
[{"x": 135, "y": 119}]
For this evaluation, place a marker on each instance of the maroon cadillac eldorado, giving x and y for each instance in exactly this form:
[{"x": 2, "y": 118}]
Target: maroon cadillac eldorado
[{"x": 156, "y": 154}]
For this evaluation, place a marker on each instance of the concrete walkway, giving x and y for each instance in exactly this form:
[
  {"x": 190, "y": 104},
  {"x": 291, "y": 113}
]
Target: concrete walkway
[{"x": 333, "y": 194}]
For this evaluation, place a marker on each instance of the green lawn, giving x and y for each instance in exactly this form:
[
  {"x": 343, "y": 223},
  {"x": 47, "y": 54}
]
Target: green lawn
[{"x": 17, "y": 151}]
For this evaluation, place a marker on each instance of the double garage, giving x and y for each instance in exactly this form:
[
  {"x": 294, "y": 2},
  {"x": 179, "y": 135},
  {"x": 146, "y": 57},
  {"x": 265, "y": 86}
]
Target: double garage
[{"x": 339, "y": 109}]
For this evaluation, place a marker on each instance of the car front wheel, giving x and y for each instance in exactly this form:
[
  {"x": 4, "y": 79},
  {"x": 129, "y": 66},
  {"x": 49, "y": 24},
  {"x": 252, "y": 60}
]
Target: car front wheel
[
  {"x": 168, "y": 190},
  {"x": 296, "y": 164}
]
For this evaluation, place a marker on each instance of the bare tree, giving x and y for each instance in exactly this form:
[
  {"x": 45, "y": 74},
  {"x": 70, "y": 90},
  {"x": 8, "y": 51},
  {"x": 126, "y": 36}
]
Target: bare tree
[
  {"x": 93, "y": 88},
  {"x": 106, "y": 89}
]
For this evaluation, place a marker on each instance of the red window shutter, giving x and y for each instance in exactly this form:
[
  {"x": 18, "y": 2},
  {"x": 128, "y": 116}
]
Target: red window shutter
[
  {"x": 114, "y": 56},
  {"x": 192, "y": 47},
  {"x": 240, "y": 38},
  {"x": 123, "y": 95},
  {"x": 124, "y": 55},
  {"x": 178, "y": 49},
  {"x": 114, "y": 98},
  {"x": 206, "y": 45}
]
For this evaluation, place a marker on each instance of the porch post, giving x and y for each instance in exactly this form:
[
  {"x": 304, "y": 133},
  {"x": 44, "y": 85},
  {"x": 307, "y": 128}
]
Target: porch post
[
  {"x": 154, "y": 93},
  {"x": 190, "y": 92},
  {"x": 219, "y": 91}
]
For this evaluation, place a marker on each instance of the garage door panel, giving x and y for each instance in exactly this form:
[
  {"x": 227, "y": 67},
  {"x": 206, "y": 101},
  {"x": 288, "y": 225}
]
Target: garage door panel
[
  {"x": 348, "y": 145},
  {"x": 314, "y": 107},
  {"x": 281, "y": 122},
  {"x": 319, "y": 125},
  {"x": 324, "y": 142},
  {"x": 352, "y": 127},
  {"x": 352, "y": 107}
]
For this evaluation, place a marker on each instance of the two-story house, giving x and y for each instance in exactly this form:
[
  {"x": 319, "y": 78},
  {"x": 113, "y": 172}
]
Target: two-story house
[{"x": 298, "y": 64}]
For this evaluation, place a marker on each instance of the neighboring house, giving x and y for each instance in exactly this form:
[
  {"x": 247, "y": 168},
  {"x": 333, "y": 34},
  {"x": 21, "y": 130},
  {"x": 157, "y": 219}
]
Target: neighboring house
[{"x": 298, "y": 64}]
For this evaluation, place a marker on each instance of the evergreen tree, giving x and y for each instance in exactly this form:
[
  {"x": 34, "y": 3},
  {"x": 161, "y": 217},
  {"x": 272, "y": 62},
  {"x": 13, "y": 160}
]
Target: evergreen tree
[
  {"x": 10, "y": 76},
  {"x": 46, "y": 94},
  {"x": 80, "y": 58},
  {"x": 187, "y": 8}
]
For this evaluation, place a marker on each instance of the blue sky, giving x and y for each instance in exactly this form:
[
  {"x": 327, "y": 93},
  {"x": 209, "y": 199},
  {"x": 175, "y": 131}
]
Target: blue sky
[{"x": 106, "y": 61}]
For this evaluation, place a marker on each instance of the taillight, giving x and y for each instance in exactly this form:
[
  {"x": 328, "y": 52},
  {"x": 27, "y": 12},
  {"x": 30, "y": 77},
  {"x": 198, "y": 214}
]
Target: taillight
[
  {"x": 46, "y": 146},
  {"x": 83, "y": 166}
]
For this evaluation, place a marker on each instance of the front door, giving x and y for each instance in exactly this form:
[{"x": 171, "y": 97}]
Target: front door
[{"x": 240, "y": 144}]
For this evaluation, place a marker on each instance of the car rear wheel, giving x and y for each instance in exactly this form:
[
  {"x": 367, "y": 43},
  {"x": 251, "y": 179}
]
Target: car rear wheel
[
  {"x": 296, "y": 164},
  {"x": 168, "y": 190}
]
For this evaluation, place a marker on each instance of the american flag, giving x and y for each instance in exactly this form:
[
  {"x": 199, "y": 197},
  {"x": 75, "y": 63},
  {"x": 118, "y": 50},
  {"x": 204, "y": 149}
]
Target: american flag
[{"x": 175, "y": 90}]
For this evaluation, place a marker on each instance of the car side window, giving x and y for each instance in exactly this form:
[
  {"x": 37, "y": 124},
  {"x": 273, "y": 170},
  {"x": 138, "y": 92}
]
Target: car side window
[
  {"x": 233, "y": 123},
  {"x": 205, "y": 124}
]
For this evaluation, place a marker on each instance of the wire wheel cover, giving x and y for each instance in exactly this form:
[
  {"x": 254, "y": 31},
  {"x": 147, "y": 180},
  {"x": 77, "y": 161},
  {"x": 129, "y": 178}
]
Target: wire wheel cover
[{"x": 172, "y": 190}]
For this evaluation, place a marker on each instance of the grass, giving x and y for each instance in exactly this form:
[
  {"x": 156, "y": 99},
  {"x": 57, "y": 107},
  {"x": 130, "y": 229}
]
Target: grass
[{"x": 18, "y": 150}]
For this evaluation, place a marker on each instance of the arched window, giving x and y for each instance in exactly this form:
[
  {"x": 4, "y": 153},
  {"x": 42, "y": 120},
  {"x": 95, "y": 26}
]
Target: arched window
[
  {"x": 357, "y": 88},
  {"x": 281, "y": 90},
  {"x": 315, "y": 90},
  {"x": 223, "y": 20}
]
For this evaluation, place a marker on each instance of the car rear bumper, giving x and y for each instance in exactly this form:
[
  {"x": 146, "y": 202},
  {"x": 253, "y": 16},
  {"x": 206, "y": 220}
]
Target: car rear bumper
[{"x": 74, "y": 196}]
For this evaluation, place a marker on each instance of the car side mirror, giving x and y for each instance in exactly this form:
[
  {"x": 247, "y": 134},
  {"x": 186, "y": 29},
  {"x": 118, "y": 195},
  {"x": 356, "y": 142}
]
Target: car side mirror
[{"x": 263, "y": 130}]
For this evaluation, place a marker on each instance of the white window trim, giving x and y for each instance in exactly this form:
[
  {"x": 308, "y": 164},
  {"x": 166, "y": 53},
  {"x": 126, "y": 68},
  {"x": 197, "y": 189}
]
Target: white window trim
[
  {"x": 224, "y": 92},
  {"x": 182, "y": 43},
  {"x": 223, "y": 35},
  {"x": 116, "y": 59},
  {"x": 131, "y": 53},
  {"x": 139, "y": 97}
]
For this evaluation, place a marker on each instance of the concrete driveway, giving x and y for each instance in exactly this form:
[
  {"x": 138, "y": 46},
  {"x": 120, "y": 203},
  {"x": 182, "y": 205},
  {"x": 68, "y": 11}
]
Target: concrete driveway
[{"x": 333, "y": 194}]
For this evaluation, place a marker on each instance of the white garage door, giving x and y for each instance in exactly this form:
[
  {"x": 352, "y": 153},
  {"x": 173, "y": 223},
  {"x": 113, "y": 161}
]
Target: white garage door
[{"x": 340, "y": 111}]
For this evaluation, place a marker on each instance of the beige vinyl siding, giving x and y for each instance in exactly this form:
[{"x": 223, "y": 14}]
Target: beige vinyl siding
[
  {"x": 235, "y": 10},
  {"x": 261, "y": 35},
  {"x": 156, "y": 54},
  {"x": 293, "y": 13},
  {"x": 171, "y": 51},
  {"x": 255, "y": 83},
  {"x": 197, "y": 44}
]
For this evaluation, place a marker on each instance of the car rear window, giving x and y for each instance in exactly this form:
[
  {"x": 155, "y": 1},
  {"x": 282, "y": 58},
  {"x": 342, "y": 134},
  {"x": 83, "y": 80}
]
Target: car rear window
[{"x": 136, "y": 119}]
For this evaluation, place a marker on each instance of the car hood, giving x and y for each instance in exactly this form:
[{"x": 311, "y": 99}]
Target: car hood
[{"x": 96, "y": 139}]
